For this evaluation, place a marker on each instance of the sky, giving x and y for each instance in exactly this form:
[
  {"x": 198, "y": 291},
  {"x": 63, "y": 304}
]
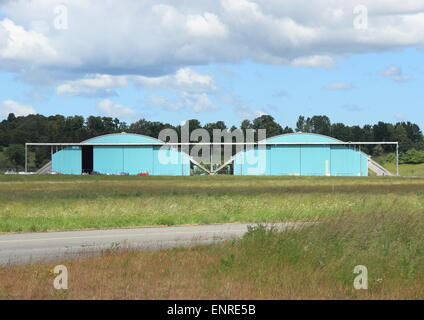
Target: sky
[{"x": 230, "y": 60}]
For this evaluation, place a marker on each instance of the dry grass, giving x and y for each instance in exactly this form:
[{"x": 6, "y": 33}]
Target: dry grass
[
  {"x": 40, "y": 203},
  {"x": 313, "y": 263}
]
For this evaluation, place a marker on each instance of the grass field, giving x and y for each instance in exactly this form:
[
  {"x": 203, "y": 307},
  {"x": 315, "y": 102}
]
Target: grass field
[
  {"x": 411, "y": 170},
  {"x": 40, "y": 203},
  {"x": 316, "y": 262},
  {"x": 376, "y": 222}
]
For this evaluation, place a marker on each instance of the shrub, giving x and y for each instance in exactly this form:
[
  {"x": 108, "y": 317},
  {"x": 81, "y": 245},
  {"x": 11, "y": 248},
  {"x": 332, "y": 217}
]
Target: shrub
[
  {"x": 412, "y": 156},
  {"x": 16, "y": 154}
]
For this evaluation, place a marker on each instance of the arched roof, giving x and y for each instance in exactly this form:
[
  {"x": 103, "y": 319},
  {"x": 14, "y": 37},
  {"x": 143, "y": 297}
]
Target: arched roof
[
  {"x": 301, "y": 137},
  {"x": 123, "y": 138}
]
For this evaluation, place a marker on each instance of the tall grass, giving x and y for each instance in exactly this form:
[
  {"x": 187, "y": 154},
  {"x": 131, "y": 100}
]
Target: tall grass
[
  {"x": 40, "y": 203},
  {"x": 315, "y": 262}
]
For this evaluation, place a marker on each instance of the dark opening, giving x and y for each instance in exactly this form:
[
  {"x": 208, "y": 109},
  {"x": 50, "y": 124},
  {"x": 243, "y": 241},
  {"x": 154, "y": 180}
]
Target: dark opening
[{"x": 87, "y": 159}]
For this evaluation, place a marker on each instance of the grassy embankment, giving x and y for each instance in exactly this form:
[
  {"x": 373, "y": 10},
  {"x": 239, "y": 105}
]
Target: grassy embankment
[
  {"x": 313, "y": 263},
  {"x": 40, "y": 203},
  {"x": 376, "y": 222},
  {"x": 410, "y": 170}
]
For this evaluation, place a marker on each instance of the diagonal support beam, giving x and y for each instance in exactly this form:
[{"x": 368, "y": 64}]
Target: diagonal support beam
[{"x": 199, "y": 165}]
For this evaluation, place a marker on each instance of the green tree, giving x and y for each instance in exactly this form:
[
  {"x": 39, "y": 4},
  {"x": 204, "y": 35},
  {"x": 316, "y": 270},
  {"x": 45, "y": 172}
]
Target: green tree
[
  {"x": 320, "y": 125},
  {"x": 268, "y": 123},
  {"x": 288, "y": 130},
  {"x": 401, "y": 136},
  {"x": 301, "y": 124},
  {"x": 148, "y": 128},
  {"x": 15, "y": 153},
  {"x": 340, "y": 131},
  {"x": 215, "y": 125}
]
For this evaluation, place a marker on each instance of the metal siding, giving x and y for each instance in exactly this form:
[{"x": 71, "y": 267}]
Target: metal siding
[
  {"x": 179, "y": 162},
  {"x": 364, "y": 164},
  {"x": 345, "y": 161},
  {"x": 284, "y": 160},
  {"x": 308, "y": 159},
  {"x": 185, "y": 164},
  {"x": 67, "y": 161},
  {"x": 253, "y": 161},
  {"x": 108, "y": 159},
  {"x": 313, "y": 160},
  {"x": 237, "y": 164},
  {"x": 123, "y": 159},
  {"x": 138, "y": 159}
]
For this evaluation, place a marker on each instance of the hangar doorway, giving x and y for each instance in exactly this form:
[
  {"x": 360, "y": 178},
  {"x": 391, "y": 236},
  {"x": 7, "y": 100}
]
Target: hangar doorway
[{"x": 87, "y": 159}]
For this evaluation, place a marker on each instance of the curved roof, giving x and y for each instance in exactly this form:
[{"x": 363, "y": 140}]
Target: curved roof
[
  {"x": 139, "y": 138},
  {"x": 304, "y": 137},
  {"x": 301, "y": 137},
  {"x": 122, "y": 138}
]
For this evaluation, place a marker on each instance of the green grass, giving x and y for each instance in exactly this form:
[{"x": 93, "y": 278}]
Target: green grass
[
  {"x": 315, "y": 262},
  {"x": 40, "y": 203},
  {"x": 411, "y": 170}
]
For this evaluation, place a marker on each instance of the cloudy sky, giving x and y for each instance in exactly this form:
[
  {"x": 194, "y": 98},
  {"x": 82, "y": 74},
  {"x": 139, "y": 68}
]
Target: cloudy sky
[{"x": 355, "y": 61}]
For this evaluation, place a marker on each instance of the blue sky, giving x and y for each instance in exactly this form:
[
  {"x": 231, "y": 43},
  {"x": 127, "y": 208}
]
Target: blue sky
[{"x": 351, "y": 81}]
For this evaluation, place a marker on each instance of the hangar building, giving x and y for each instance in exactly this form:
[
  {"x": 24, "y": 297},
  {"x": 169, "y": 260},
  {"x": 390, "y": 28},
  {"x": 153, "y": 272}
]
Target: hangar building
[
  {"x": 304, "y": 154},
  {"x": 114, "y": 154}
]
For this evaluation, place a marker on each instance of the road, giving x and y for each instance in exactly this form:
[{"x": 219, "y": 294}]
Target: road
[{"x": 24, "y": 248}]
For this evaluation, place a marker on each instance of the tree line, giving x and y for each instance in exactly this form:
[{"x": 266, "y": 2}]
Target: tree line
[{"x": 16, "y": 131}]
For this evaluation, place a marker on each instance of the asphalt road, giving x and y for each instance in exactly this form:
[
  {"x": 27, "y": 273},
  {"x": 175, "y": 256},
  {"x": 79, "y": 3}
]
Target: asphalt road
[{"x": 24, "y": 248}]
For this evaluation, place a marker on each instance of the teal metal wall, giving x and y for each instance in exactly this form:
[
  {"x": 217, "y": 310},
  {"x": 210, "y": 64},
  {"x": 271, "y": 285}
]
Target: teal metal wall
[
  {"x": 153, "y": 160},
  {"x": 67, "y": 161},
  {"x": 308, "y": 160}
]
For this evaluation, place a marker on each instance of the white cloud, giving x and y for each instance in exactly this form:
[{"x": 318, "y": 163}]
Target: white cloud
[
  {"x": 198, "y": 102},
  {"x": 96, "y": 85},
  {"x": 164, "y": 102},
  {"x": 338, "y": 86},
  {"x": 206, "y": 25},
  {"x": 184, "y": 80},
  {"x": 314, "y": 62},
  {"x": 18, "y": 44},
  {"x": 260, "y": 113},
  {"x": 113, "y": 109},
  {"x": 190, "y": 88},
  {"x": 242, "y": 109},
  {"x": 352, "y": 107},
  {"x": 148, "y": 39},
  {"x": 10, "y": 106},
  {"x": 396, "y": 74},
  {"x": 399, "y": 117}
]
